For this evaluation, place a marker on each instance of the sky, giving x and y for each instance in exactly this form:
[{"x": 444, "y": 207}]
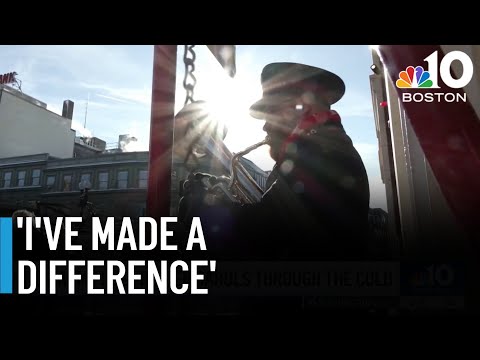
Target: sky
[{"x": 111, "y": 89}]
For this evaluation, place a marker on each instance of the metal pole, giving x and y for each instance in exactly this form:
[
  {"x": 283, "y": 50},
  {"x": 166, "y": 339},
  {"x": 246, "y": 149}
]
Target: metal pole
[{"x": 161, "y": 130}]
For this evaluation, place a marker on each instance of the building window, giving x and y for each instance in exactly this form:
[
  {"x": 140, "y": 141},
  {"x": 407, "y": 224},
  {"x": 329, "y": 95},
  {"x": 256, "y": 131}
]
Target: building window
[
  {"x": 142, "y": 179},
  {"x": 21, "y": 178},
  {"x": 85, "y": 181},
  {"x": 7, "y": 178},
  {"x": 51, "y": 181},
  {"x": 67, "y": 183},
  {"x": 122, "y": 179},
  {"x": 36, "y": 177},
  {"x": 103, "y": 180}
]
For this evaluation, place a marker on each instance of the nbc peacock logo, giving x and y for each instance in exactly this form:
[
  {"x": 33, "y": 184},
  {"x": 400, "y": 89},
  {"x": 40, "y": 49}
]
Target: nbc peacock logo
[
  {"x": 420, "y": 78},
  {"x": 414, "y": 78}
]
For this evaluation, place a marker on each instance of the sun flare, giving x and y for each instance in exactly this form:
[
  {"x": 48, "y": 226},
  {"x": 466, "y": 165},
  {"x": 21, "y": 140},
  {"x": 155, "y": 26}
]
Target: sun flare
[{"x": 229, "y": 101}]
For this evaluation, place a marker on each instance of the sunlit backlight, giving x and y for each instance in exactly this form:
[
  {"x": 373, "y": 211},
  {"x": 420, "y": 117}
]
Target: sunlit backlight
[
  {"x": 229, "y": 100},
  {"x": 214, "y": 124}
]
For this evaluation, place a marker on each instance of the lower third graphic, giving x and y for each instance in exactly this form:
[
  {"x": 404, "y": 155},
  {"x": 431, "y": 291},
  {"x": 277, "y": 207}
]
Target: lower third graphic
[{"x": 5, "y": 255}]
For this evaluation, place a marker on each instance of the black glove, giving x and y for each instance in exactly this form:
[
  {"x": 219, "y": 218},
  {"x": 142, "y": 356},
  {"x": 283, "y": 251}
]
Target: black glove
[
  {"x": 196, "y": 184},
  {"x": 198, "y": 193}
]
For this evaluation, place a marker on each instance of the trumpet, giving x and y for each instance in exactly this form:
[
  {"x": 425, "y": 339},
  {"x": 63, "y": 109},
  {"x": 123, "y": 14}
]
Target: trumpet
[
  {"x": 195, "y": 135},
  {"x": 239, "y": 187},
  {"x": 245, "y": 190}
]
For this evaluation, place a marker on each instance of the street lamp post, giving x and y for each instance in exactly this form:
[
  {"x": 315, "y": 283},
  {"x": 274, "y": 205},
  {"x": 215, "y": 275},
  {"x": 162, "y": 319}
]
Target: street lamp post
[{"x": 84, "y": 186}]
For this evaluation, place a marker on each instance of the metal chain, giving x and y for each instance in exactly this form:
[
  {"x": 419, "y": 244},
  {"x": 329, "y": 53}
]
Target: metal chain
[{"x": 189, "y": 69}]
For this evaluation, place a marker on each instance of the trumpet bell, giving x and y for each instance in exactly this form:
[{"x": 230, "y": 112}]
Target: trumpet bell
[
  {"x": 194, "y": 123},
  {"x": 197, "y": 133}
]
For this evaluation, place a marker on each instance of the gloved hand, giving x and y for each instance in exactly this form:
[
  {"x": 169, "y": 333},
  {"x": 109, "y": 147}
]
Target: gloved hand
[
  {"x": 202, "y": 185},
  {"x": 197, "y": 183},
  {"x": 198, "y": 193}
]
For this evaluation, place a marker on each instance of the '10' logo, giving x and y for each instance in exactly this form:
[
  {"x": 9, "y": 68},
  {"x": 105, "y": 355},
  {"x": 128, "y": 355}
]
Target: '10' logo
[{"x": 416, "y": 77}]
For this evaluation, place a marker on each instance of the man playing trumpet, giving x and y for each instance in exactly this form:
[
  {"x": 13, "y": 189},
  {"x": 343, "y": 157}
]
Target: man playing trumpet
[{"x": 317, "y": 199}]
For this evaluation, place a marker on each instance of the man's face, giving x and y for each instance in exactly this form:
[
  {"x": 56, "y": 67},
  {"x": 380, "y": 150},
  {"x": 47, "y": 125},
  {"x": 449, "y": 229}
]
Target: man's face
[{"x": 280, "y": 121}]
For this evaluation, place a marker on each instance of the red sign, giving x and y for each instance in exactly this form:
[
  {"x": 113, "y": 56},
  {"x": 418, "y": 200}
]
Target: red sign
[{"x": 7, "y": 78}]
